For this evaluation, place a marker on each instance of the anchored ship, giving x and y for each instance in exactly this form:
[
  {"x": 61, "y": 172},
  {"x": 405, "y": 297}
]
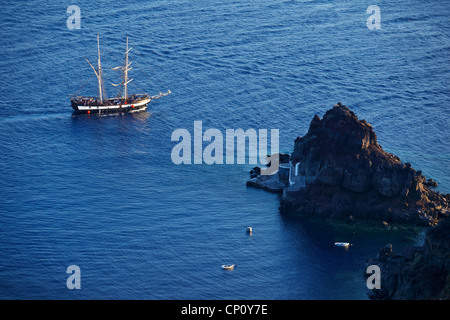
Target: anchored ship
[{"x": 123, "y": 103}]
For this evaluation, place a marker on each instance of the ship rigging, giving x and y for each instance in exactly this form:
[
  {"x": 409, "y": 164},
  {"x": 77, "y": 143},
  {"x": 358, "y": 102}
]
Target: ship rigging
[{"x": 123, "y": 103}]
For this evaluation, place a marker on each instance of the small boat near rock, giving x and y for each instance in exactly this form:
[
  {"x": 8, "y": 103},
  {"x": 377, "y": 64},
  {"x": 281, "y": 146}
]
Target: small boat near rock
[
  {"x": 342, "y": 244},
  {"x": 228, "y": 266}
]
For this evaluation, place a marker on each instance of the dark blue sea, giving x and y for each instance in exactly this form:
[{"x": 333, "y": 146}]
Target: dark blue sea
[{"x": 102, "y": 193}]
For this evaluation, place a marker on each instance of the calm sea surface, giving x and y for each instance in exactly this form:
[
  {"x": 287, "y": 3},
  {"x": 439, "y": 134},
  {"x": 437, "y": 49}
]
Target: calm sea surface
[{"x": 102, "y": 192}]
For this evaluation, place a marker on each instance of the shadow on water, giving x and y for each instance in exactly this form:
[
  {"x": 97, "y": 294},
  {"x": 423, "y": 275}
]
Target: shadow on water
[{"x": 341, "y": 269}]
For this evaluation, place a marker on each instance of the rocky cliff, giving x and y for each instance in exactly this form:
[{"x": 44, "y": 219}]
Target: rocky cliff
[
  {"x": 348, "y": 174},
  {"x": 417, "y": 273}
]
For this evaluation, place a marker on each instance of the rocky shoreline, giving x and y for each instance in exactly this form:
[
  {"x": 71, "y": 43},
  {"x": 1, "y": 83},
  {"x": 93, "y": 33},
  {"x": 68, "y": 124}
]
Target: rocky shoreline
[
  {"x": 417, "y": 272},
  {"x": 339, "y": 171},
  {"x": 348, "y": 175}
]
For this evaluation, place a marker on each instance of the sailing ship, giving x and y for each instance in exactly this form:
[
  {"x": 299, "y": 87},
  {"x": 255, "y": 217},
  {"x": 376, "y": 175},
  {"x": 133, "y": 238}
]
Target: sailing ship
[{"x": 123, "y": 103}]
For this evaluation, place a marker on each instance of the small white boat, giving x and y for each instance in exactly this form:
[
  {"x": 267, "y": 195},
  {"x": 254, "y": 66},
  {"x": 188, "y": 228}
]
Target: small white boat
[
  {"x": 228, "y": 266},
  {"x": 249, "y": 230},
  {"x": 342, "y": 244}
]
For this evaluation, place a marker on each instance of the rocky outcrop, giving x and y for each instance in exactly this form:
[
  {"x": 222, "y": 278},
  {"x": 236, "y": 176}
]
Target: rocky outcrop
[
  {"x": 417, "y": 273},
  {"x": 269, "y": 183},
  {"x": 348, "y": 173}
]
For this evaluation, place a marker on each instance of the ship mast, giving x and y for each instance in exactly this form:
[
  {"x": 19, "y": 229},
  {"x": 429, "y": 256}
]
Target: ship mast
[
  {"x": 98, "y": 72},
  {"x": 125, "y": 70},
  {"x": 100, "y": 82}
]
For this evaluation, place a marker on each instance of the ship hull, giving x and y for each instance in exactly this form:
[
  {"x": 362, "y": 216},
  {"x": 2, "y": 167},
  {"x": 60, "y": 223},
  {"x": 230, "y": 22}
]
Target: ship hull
[{"x": 85, "y": 108}]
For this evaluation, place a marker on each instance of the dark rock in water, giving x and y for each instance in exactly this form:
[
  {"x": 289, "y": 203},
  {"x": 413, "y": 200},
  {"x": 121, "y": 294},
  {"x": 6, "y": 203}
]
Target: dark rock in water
[
  {"x": 418, "y": 273},
  {"x": 256, "y": 171},
  {"x": 267, "y": 182},
  {"x": 387, "y": 249},
  {"x": 284, "y": 157},
  {"x": 348, "y": 173},
  {"x": 431, "y": 183}
]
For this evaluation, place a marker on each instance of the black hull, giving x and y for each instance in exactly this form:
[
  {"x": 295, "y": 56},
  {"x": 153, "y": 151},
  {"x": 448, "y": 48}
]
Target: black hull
[
  {"x": 108, "y": 111},
  {"x": 96, "y": 109}
]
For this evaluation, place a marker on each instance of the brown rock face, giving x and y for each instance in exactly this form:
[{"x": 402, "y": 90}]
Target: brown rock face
[
  {"x": 348, "y": 173},
  {"x": 417, "y": 273}
]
